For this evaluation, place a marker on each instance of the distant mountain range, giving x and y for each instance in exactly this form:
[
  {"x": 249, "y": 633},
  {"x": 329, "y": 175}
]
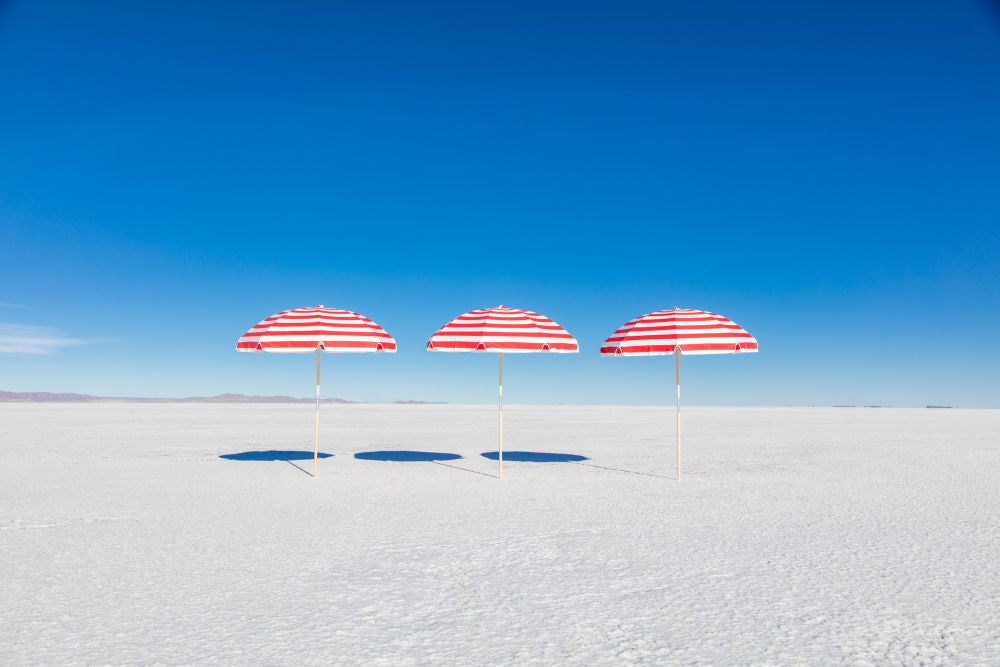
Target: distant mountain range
[{"x": 48, "y": 397}]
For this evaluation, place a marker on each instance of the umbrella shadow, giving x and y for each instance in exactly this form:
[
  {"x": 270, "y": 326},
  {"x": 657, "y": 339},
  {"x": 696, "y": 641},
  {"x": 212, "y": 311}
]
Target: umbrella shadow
[
  {"x": 536, "y": 457},
  {"x": 274, "y": 455},
  {"x": 290, "y": 456},
  {"x": 406, "y": 456}
]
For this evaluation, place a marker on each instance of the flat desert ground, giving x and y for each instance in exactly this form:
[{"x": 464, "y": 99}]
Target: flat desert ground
[{"x": 798, "y": 535}]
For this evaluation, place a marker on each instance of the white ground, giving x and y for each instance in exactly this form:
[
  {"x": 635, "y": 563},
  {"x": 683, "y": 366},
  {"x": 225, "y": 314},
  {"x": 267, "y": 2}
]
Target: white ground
[{"x": 798, "y": 536}]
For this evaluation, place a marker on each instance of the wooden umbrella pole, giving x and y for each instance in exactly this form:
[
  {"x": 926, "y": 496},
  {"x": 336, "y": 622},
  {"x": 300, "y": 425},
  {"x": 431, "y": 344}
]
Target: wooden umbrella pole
[
  {"x": 316, "y": 430},
  {"x": 677, "y": 364},
  {"x": 500, "y": 412}
]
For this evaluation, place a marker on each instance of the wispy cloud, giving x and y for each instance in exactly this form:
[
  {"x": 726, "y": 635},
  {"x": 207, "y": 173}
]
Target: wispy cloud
[
  {"x": 10, "y": 305},
  {"x": 31, "y": 339}
]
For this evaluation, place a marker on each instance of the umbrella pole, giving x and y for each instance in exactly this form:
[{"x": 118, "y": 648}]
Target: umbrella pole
[
  {"x": 500, "y": 413},
  {"x": 316, "y": 430},
  {"x": 677, "y": 365}
]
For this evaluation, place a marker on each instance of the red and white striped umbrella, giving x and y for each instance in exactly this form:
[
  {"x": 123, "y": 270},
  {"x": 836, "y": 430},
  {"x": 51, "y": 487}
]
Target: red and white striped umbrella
[
  {"x": 680, "y": 331},
  {"x": 316, "y": 328},
  {"x": 694, "y": 331},
  {"x": 502, "y": 329}
]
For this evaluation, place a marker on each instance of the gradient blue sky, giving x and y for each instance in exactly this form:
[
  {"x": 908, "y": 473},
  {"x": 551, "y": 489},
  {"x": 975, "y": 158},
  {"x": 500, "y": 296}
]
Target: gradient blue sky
[{"x": 824, "y": 173}]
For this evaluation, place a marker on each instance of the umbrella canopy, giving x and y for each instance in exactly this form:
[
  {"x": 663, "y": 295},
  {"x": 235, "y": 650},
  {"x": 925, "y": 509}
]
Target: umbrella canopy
[
  {"x": 316, "y": 328},
  {"x": 680, "y": 331},
  {"x": 502, "y": 329},
  {"x": 694, "y": 331}
]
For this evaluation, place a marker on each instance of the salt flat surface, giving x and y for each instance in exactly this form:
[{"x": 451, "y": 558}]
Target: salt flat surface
[{"x": 799, "y": 536}]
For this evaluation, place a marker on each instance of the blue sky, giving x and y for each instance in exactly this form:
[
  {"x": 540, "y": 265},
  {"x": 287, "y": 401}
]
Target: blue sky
[{"x": 825, "y": 174}]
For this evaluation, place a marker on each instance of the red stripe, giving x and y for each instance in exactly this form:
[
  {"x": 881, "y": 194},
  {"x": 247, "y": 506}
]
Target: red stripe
[
  {"x": 642, "y": 326},
  {"x": 489, "y": 321},
  {"x": 506, "y": 334},
  {"x": 493, "y": 345},
  {"x": 328, "y": 331},
  {"x": 505, "y": 315},
  {"x": 315, "y": 322},
  {"x": 693, "y": 347},
  {"x": 320, "y": 316},
  {"x": 315, "y": 311},
  {"x": 322, "y": 334},
  {"x": 312, "y": 345},
  {"x": 625, "y": 349},
  {"x": 674, "y": 320},
  {"x": 340, "y": 316},
  {"x": 681, "y": 311},
  {"x": 735, "y": 334},
  {"x": 527, "y": 325},
  {"x": 490, "y": 331}
]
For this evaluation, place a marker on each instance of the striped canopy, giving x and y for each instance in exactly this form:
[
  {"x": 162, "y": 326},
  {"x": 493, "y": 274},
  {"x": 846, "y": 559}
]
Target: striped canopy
[
  {"x": 502, "y": 329},
  {"x": 693, "y": 331},
  {"x": 309, "y": 329}
]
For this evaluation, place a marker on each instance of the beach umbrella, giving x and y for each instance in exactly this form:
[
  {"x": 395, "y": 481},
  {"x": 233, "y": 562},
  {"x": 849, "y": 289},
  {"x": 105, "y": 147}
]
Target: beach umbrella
[
  {"x": 316, "y": 328},
  {"x": 678, "y": 331},
  {"x": 500, "y": 330}
]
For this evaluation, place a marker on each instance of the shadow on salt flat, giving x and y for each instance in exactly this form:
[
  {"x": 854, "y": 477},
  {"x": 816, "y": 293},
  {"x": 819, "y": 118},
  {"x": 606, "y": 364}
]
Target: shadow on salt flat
[
  {"x": 274, "y": 455},
  {"x": 634, "y": 472},
  {"x": 405, "y": 455},
  {"x": 535, "y": 457}
]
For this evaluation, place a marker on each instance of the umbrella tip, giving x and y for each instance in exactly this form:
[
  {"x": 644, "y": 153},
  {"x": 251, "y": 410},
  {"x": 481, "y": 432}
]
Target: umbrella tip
[{"x": 502, "y": 306}]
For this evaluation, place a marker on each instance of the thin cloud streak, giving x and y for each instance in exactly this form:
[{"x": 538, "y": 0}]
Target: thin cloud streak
[{"x": 31, "y": 339}]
